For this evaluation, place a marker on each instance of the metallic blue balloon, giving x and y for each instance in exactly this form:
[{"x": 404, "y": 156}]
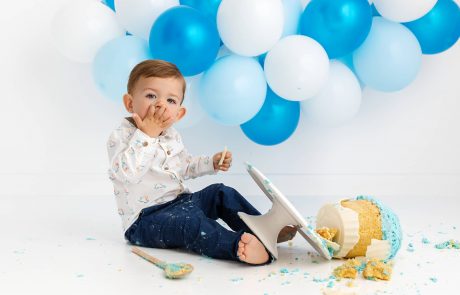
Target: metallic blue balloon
[
  {"x": 109, "y": 3},
  {"x": 339, "y": 26},
  {"x": 275, "y": 122},
  {"x": 184, "y": 36},
  {"x": 374, "y": 10},
  {"x": 207, "y": 7},
  {"x": 439, "y": 29}
]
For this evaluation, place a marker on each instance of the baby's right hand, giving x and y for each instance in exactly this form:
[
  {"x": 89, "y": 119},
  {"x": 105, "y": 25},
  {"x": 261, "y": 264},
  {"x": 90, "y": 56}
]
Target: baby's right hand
[{"x": 155, "y": 121}]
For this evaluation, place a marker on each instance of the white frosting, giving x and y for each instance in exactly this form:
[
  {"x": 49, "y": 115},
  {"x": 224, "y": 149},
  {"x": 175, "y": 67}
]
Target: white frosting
[
  {"x": 380, "y": 249},
  {"x": 345, "y": 220}
]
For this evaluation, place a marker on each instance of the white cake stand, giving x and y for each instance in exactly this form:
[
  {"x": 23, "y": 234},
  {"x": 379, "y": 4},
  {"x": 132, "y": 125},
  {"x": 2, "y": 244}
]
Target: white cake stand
[{"x": 267, "y": 226}]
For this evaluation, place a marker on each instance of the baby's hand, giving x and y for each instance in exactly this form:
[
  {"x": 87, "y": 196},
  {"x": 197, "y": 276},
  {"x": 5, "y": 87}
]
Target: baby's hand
[
  {"x": 155, "y": 121},
  {"x": 226, "y": 163}
]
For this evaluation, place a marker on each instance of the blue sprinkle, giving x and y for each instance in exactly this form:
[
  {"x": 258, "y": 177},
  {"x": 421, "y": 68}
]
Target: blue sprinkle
[
  {"x": 90, "y": 239},
  {"x": 284, "y": 270},
  {"x": 434, "y": 280},
  {"x": 425, "y": 241},
  {"x": 236, "y": 280},
  {"x": 330, "y": 284}
]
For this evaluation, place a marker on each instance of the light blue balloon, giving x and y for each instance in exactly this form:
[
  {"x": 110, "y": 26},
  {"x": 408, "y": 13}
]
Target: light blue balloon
[
  {"x": 185, "y": 37},
  {"x": 390, "y": 57},
  {"x": 292, "y": 12},
  {"x": 114, "y": 62},
  {"x": 207, "y": 7},
  {"x": 339, "y": 26},
  {"x": 439, "y": 29},
  {"x": 275, "y": 122},
  {"x": 233, "y": 90}
]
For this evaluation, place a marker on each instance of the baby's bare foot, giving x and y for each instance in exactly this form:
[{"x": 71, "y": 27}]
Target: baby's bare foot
[
  {"x": 251, "y": 250},
  {"x": 287, "y": 233}
]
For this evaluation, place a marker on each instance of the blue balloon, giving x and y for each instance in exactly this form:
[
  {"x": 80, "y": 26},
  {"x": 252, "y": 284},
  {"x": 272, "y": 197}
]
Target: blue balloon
[
  {"x": 109, "y": 3},
  {"x": 115, "y": 60},
  {"x": 261, "y": 59},
  {"x": 207, "y": 7},
  {"x": 439, "y": 29},
  {"x": 185, "y": 37},
  {"x": 374, "y": 10},
  {"x": 233, "y": 90},
  {"x": 390, "y": 57},
  {"x": 275, "y": 122},
  {"x": 339, "y": 26}
]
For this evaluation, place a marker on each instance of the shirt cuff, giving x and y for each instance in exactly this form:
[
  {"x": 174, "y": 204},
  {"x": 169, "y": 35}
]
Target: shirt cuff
[{"x": 211, "y": 170}]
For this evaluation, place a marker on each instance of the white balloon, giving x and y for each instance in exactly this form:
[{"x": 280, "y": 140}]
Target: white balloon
[
  {"x": 194, "y": 112},
  {"x": 80, "y": 28},
  {"x": 403, "y": 10},
  {"x": 338, "y": 102},
  {"x": 138, "y": 16},
  {"x": 250, "y": 27},
  {"x": 297, "y": 67}
]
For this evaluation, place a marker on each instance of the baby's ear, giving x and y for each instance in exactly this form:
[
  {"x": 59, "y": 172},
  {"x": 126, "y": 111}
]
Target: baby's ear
[
  {"x": 128, "y": 102},
  {"x": 181, "y": 113}
]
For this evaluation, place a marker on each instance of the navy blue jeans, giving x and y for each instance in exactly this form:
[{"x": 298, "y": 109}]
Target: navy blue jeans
[{"x": 189, "y": 222}]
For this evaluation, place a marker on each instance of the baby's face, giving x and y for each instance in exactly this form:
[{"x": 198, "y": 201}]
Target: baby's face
[{"x": 158, "y": 91}]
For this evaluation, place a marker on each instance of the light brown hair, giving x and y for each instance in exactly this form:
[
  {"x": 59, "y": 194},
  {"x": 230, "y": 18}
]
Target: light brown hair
[{"x": 155, "y": 68}]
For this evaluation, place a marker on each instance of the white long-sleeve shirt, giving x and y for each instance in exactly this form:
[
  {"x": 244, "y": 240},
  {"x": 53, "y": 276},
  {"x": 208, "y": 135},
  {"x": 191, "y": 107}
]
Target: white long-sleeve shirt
[{"x": 148, "y": 171}]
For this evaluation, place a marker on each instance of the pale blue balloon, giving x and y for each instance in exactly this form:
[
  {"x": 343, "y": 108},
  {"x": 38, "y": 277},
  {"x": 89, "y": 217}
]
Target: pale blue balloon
[
  {"x": 390, "y": 57},
  {"x": 114, "y": 62},
  {"x": 233, "y": 89},
  {"x": 292, "y": 11}
]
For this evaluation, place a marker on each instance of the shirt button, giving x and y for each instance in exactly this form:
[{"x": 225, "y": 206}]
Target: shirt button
[
  {"x": 145, "y": 143},
  {"x": 166, "y": 168},
  {"x": 168, "y": 152}
]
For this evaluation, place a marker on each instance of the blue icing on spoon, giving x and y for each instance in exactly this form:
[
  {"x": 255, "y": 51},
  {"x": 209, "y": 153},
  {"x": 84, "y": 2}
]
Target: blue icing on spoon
[{"x": 172, "y": 270}]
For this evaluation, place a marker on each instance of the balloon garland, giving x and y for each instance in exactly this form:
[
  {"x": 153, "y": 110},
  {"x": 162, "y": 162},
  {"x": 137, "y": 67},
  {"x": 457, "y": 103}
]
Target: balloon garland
[{"x": 257, "y": 63}]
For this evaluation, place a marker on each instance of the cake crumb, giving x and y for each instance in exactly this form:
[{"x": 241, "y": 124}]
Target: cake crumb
[
  {"x": 377, "y": 269},
  {"x": 350, "y": 268},
  {"x": 327, "y": 233}
]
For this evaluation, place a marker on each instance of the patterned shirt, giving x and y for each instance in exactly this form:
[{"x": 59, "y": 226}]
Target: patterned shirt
[{"x": 148, "y": 171}]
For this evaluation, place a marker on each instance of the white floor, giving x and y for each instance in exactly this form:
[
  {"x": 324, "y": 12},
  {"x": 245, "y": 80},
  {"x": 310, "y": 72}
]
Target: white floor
[{"x": 73, "y": 245}]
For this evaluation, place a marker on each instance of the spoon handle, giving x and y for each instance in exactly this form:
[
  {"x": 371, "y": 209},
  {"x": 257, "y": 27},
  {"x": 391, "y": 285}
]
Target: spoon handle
[{"x": 148, "y": 257}]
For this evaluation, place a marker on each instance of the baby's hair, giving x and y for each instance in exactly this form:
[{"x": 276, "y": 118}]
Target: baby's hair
[{"x": 155, "y": 68}]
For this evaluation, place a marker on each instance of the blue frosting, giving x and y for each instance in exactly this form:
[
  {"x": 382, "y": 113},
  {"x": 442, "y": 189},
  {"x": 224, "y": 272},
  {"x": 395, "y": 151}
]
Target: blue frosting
[{"x": 391, "y": 228}]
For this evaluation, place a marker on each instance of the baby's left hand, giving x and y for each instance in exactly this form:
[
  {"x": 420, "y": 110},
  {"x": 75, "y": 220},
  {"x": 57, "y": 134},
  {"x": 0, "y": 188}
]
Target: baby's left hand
[{"x": 227, "y": 161}]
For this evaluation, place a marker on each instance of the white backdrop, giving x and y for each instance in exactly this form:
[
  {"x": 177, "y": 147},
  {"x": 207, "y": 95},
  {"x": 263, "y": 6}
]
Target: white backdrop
[{"x": 55, "y": 124}]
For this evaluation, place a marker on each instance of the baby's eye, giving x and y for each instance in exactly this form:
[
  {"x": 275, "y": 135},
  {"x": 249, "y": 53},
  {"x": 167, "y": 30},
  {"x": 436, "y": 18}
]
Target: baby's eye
[
  {"x": 171, "y": 100},
  {"x": 151, "y": 96}
]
